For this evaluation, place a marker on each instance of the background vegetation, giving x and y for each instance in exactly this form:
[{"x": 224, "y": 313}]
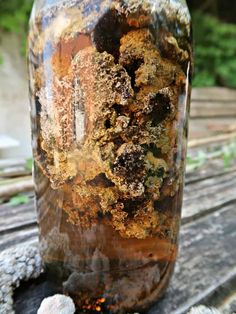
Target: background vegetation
[
  {"x": 215, "y": 51},
  {"x": 214, "y": 25},
  {"x": 214, "y": 29},
  {"x": 14, "y": 15}
]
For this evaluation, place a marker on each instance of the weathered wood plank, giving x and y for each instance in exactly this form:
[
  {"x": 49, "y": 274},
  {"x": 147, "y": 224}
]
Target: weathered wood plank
[
  {"x": 201, "y": 128},
  {"x": 214, "y": 94},
  {"x": 206, "y": 109},
  {"x": 16, "y": 217},
  {"x": 205, "y": 191},
  {"x": 206, "y": 260},
  {"x": 209, "y": 170},
  {"x": 12, "y": 187},
  {"x": 200, "y": 198},
  {"x": 12, "y": 162},
  {"x": 208, "y": 195},
  {"x": 224, "y": 297},
  {"x": 211, "y": 140},
  {"x": 13, "y": 172},
  {"x": 28, "y": 235}
]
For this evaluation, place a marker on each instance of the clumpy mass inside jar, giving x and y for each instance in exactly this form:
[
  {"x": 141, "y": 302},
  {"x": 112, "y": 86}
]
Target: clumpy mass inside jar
[{"x": 110, "y": 138}]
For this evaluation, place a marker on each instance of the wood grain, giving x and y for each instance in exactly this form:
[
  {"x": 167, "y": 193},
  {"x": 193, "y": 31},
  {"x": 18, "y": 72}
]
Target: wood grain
[
  {"x": 206, "y": 261},
  {"x": 205, "y": 192},
  {"x": 208, "y": 195},
  {"x": 208, "y": 109},
  {"x": 26, "y": 235},
  {"x": 16, "y": 217},
  {"x": 214, "y": 94},
  {"x": 14, "y": 186},
  {"x": 12, "y": 162},
  {"x": 211, "y": 140},
  {"x": 201, "y": 128}
]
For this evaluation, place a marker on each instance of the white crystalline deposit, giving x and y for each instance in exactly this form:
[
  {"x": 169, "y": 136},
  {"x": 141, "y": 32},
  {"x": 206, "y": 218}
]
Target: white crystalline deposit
[
  {"x": 174, "y": 10},
  {"x": 201, "y": 309},
  {"x": 57, "y": 304},
  {"x": 16, "y": 265}
]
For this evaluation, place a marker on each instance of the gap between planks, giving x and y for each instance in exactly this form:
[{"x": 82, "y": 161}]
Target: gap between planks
[
  {"x": 213, "y": 94},
  {"x": 211, "y": 140},
  {"x": 206, "y": 260},
  {"x": 206, "y": 109}
]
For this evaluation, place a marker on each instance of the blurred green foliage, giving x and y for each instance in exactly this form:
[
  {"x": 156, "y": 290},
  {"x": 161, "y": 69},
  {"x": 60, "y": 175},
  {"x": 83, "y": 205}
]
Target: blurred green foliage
[
  {"x": 215, "y": 51},
  {"x": 19, "y": 200},
  {"x": 227, "y": 153},
  {"x": 29, "y": 164},
  {"x": 14, "y": 16}
]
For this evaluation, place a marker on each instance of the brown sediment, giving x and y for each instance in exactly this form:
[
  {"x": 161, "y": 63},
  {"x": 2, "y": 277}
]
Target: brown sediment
[
  {"x": 154, "y": 72},
  {"x": 110, "y": 88},
  {"x": 121, "y": 109}
]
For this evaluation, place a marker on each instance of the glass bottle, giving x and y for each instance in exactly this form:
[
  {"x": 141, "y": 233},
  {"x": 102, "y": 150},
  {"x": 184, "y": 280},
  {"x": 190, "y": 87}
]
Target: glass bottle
[{"x": 110, "y": 89}]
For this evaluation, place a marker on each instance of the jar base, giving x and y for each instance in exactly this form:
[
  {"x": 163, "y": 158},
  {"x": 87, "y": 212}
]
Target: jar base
[{"x": 115, "y": 291}]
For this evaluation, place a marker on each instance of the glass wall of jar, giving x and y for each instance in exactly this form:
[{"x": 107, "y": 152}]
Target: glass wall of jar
[{"x": 110, "y": 87}]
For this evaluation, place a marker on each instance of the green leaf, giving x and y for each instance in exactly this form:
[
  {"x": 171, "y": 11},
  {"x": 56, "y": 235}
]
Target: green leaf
[
  {"x": 229, "y": 154},
  {"x": 193, "y": 163},
  {"x": 19, "y": 200},
  {"x": 29, "y": 164},
  {"x": 227, "y": 161}
]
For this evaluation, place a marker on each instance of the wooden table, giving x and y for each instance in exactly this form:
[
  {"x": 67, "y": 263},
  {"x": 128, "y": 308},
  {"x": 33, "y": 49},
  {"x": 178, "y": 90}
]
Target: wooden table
[{"x": 206, "y": 269}]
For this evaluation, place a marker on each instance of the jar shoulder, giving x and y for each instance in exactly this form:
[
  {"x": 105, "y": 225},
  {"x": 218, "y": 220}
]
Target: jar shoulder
[{"x": 173, "y": 12}]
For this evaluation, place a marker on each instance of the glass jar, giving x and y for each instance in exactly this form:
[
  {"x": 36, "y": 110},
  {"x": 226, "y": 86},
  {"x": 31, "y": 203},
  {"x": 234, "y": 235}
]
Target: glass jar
[{"x": 110, "y": 89}]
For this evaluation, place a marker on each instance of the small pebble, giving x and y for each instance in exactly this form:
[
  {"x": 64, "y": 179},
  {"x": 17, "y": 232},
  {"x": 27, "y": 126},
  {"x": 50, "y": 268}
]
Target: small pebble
[{"x": 57, "y": 304}]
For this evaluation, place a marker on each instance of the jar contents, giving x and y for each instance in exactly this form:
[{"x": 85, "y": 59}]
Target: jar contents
[{"x": 109, "y": 83}]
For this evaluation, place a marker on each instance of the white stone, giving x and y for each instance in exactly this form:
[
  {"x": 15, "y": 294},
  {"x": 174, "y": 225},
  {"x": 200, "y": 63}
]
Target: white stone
[{"x": 57, "y": 304}]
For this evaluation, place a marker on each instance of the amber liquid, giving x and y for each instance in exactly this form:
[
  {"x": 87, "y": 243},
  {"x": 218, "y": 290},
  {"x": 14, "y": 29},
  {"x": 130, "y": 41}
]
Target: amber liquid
[
  {"x": 109, "y": 120},
  {"x": 102, "y": 271}
]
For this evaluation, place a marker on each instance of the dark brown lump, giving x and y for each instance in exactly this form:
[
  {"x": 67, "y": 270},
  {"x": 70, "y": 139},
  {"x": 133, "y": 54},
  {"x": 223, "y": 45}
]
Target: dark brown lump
[
  {"x": 129, "y": 163},
  {"x": 100, "y": 181},
  {"x": 131, "y": 206},
  {"x": 128, "y": 170},
  {"x": 134, "y": 47},
  {"x": 161, "y": 109},
  {"x": 108, "y": 32},
  {"x": 156, "y": 107}
]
